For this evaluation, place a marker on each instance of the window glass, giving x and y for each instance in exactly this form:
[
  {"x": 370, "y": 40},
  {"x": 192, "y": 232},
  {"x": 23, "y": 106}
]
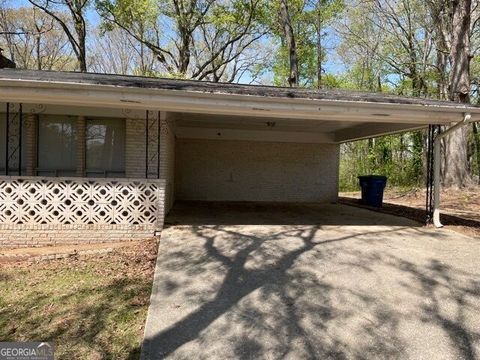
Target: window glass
[
  {"x": 105, "y": 147},
  {"x": 57, "y": 145}
]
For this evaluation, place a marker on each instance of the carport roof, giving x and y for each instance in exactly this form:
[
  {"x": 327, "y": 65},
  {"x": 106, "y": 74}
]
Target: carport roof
[
  {"x": 127, "y": 81},
  {"x": 348, "y": 114}
]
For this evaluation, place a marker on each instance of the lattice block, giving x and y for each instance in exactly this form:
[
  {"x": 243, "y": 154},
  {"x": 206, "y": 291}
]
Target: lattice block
[{"x": 56, "y": 201}]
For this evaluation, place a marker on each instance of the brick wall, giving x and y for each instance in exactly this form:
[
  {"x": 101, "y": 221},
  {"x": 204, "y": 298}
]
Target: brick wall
[
  {"x": 14, "y": 235},
  {"x": 81, "y": 145},
  {"x": 167, "y": 162},
  {"x": 35, "y": 236},
  {"x": 224, "y": 170},
  {"x": 30, "y": 122},
  {"x": 135, "y": 148}
]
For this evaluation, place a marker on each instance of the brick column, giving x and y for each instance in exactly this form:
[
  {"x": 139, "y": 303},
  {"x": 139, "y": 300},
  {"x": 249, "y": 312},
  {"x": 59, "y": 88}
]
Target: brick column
[
  {"x": 167, "y": 159},
  {"x": 81, "y": 145},
  {"x": 30, "y": 139},
  {"x": 135, "y": 148}
]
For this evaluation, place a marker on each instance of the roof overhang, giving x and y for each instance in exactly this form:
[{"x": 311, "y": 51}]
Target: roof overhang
[{"x": 365, "y": 118}]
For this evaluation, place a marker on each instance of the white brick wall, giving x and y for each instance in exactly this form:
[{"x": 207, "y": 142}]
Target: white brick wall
[
  {"x": 224, "y": 170},
  {"x": 30, "y": 122},
  {"x": 135, "y": 148},
  {"x": 167, "y": 162}
]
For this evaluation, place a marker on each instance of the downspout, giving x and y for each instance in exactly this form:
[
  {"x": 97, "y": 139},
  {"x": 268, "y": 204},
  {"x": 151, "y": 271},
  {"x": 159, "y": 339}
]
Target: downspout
[{"x": 436, "y": 167}]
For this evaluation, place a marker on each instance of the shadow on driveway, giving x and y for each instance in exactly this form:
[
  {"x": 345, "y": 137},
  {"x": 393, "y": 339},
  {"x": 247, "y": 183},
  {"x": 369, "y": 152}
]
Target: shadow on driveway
[{"x": 318, "y": 291}]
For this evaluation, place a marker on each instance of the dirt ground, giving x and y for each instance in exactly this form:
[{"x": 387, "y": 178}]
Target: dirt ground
[
  {"x": 90, "y": 307},
  {"x": 460, "y": 208}
]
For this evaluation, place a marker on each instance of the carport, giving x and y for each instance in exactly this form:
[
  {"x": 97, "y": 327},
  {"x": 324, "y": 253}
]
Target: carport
[
  {"x": 282, "y": 145},
  {"x": 198, "y": 140}
]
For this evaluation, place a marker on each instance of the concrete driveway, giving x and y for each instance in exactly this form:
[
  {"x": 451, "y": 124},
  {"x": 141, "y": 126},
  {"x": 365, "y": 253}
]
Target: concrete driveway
[{"x": 311, "y": 282}]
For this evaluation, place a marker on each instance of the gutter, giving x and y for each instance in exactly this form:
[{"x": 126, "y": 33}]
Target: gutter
[
  {"x": 62, "y": 93},
  {"x": 436, "y": 169}
]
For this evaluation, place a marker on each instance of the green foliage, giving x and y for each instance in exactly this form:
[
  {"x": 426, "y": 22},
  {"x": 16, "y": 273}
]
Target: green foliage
[
  {"x": 330, "y": 81},
  {"x": 309, "y": 19},
  {"x": 130, "y": 12},
  {"x": 399, "y": 157}
]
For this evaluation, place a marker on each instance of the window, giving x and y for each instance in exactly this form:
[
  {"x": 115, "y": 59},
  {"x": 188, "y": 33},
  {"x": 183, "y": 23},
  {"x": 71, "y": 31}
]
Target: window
[
  {"x": 105, "y": 147},
  {"x": 57, "y": 145}
]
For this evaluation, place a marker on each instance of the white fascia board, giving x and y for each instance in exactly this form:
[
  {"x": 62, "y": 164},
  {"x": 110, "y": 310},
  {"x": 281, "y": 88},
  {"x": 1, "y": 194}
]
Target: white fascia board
[
  {"x": 57, "y": 93},
  {"x": 84, "y": 111}
]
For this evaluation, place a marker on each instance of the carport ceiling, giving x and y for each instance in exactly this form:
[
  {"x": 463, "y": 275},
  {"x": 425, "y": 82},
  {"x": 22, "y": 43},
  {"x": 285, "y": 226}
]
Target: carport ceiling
[
  {"x": 197, "y": 125},
  {"x": 258, "y": 123}
]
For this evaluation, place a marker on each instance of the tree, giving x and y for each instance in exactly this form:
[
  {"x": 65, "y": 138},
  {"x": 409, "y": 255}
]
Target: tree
[
  {"x": 365, "y": 66},
  {"x": 442, "y": 27},
  {"x": 460, "y": 51},
  {"x": 423, "y": 49},
  {"x": 322, "y": 13},
  {"x": 298, "y": 32},
  {"x": 197, "y": 39},
  {"x": 219, "y": 59},
  {"x": 34, "y": 40},
  {"x": 116, "y": 52},
  {"x": 395, "y": 156},
  {"x": 404, "y": 40},
  {"x": 75, "y": 27},
  {"x": 456, "y": 168},
  {"x": 290, "y": 43}
]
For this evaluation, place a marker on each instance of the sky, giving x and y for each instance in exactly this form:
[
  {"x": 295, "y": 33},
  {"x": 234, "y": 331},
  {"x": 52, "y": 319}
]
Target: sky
[
  {"x": 92, "y": 16},
  {"x": 332, "y": 65}
]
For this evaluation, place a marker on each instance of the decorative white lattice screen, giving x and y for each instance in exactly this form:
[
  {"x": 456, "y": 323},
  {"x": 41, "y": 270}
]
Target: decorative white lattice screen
[{"x": 67, "y": 201}]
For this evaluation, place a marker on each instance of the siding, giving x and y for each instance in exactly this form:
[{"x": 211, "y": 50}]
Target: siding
[{"x": 223, "y": 170}]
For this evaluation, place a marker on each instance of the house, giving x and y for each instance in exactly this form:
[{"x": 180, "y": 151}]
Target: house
[{"x": 93, "y": 157}]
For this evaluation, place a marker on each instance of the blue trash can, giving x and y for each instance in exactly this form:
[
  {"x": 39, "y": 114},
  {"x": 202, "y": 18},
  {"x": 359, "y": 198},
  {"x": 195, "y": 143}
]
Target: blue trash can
[{"x": 372, "y": 189}]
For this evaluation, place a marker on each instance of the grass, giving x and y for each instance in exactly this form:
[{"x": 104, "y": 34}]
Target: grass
[{"x": 91, "y": 308}]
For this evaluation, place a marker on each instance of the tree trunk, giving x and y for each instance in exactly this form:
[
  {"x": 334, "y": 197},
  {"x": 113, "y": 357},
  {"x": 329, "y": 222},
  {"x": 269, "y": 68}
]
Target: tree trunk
[
  {"x": 418, "y": 151},
  {"x": 460, "y": 52},
  {"x": 442, "y": 82},
  {"x": 456, "y": 172},
  {"x": 440, "y": 12},
  {"x": 319, "y": 48},
  {"x": 39, "y": 58},
  {"x": 184, "y": 53},
  {"x": 290, "y": 43},
  {"x": 82, "y": 49}
]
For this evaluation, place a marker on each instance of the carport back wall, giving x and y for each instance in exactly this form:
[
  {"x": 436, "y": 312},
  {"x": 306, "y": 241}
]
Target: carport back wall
[{"x": 231, "y": 170}]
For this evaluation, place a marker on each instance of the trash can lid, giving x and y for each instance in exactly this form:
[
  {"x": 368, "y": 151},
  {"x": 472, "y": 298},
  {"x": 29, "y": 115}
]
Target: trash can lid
[{"x": 372, "y": 177}]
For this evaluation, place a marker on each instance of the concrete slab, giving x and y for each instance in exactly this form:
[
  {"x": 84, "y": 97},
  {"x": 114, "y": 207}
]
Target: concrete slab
[{"x": 324, "y": 282}]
